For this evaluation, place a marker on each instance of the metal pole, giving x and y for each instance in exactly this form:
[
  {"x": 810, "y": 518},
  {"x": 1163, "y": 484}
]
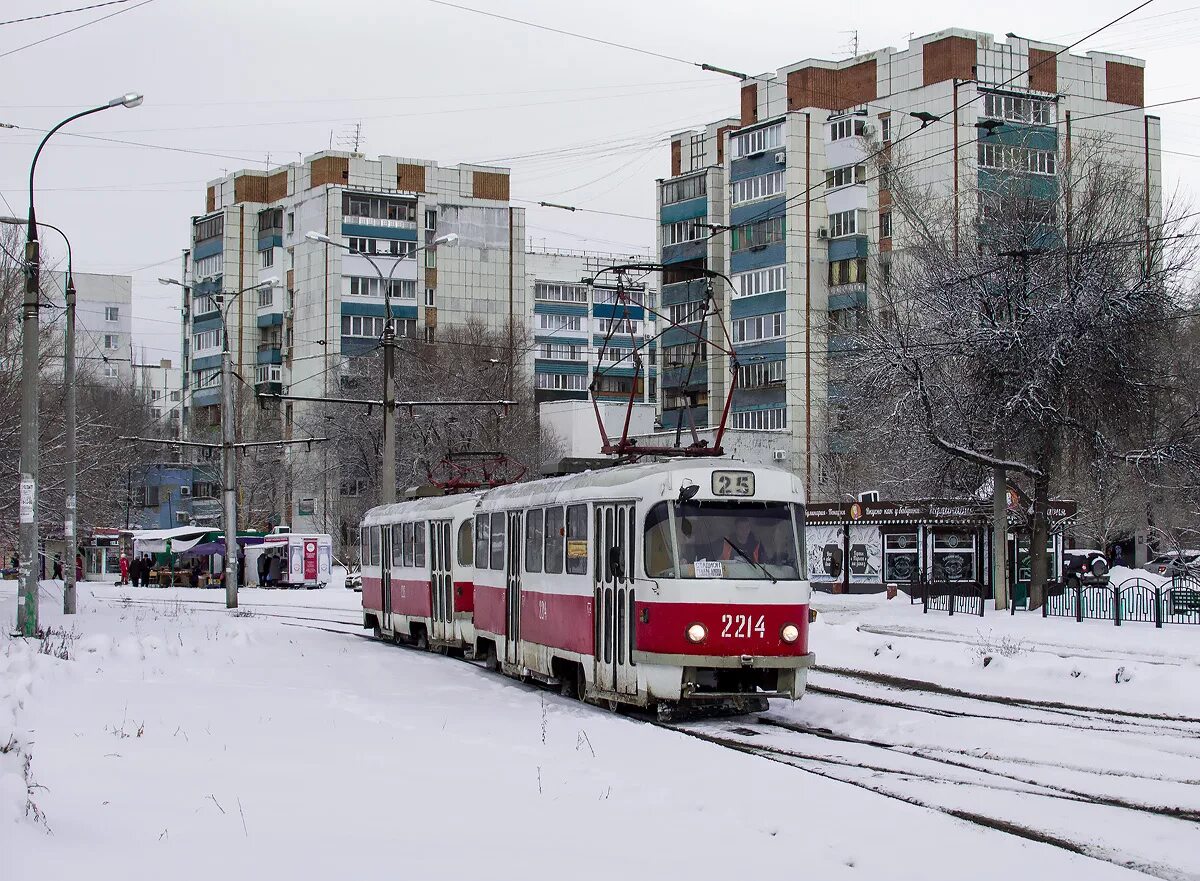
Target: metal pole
[
  {"x": 228, "y": 470},
  {"x": 69, "y": 519},
  {"x": 387, "y": 474},
  {"x": 1000, "y": 536}
]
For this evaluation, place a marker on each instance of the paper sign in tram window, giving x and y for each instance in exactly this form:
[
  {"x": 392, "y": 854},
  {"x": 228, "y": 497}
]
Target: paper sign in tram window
[{"x": 710, "y": 569}]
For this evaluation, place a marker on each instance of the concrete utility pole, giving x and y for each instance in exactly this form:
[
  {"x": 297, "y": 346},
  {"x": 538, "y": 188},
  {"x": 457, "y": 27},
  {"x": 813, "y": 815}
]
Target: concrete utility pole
[
  {"x": 387, "y": 471},
  {"x": 27, "y": 598}
]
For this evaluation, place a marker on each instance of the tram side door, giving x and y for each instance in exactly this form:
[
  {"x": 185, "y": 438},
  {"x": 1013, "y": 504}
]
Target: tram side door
[
  {"x": 512, "y": 641},
  {"x": 441, "y": 579},
  {"x": 613, "y": 552},
  {"x": 385, "y": 573}
]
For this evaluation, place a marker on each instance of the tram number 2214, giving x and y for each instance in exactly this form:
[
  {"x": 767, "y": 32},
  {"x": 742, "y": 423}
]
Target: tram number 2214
[{"x": 742, "y": 626}]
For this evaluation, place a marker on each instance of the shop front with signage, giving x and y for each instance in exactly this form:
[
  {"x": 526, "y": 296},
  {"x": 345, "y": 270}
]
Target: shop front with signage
[{"x": 862, "y": 547}]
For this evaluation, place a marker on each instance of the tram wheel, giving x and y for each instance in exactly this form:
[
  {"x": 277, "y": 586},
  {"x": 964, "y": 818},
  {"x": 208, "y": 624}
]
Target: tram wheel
[
  {"x": 422, "y": 641},
  {"x": 490, "y": 659}
]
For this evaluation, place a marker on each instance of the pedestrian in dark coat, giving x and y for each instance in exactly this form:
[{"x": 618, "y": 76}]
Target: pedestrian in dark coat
[
  {"x": 264, "y": 563},
  {"x": 58, "y": 568}
]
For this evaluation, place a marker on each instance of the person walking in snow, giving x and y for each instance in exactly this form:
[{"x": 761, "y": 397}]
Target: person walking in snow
[
  {"x": 58, "y": 568},
  {"x": 124, "y": 569},
  {"x": 79, "y": 567},
  {"x": 264, "y": 561}
]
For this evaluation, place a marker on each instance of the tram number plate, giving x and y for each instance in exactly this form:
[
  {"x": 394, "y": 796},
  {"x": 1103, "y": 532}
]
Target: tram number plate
[
  {"x": 733, "y": 483},
  {"x": 743, "y": 626}
]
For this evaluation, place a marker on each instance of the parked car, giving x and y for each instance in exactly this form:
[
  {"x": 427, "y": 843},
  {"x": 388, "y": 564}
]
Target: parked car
[
  {"x": 354, "y": 579},
  {"x": 1088, "y": 565},
  {"x": 1175, "y": 564}
]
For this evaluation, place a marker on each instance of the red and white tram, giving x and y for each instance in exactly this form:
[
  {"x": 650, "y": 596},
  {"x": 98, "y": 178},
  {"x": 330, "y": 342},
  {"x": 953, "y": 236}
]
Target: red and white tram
[{"x": 651, "y": 584}]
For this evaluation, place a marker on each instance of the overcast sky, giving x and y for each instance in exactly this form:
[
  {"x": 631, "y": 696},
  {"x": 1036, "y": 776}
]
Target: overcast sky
[{"x": 246, "y": 82}]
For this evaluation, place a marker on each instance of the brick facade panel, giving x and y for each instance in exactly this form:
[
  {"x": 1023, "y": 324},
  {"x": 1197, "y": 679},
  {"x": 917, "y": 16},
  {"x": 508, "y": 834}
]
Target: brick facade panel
[
  {"x": 329, "y": 170},
  {"x": 410, "y": 177},
  {"x": 489, "y": 185},
  {"x": 1043, "y": 70},
  {"x": 948, "y": 58},
  {"x": 832, "y": 89},
  {"x": 749, "y": 104},
  {"x": 676, "y": 158},
  {"x": 1126, "y": 84}
]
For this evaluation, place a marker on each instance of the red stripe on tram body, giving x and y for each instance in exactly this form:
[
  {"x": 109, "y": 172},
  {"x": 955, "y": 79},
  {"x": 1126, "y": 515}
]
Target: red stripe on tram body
[
  {"x": 372, "y": 593},
  {"x": 464, "y": 596},
  {"x": 731, "y": 629},
  {"x": 557, "y": 620},
  {"x": 412, "y": 597},
  {"x": 489, "y": 608}
]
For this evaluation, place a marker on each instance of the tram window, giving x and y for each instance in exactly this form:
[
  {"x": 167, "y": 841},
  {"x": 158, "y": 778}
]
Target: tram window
[
  {"x": 534, "y": 540},
  {"x": 408, "y": 544},
  {"x": 364, "y": 546},
  {"x": 554, "y": 540},
  {"x": 660, "y": 558},
  {"x": 498, "y": 541},
  {"x": 419, "y": 544},
  {"x": 397, "y": 546},
  {"x": 577, "y": 549},
  {"x": 481, "y": 541},
  {"x": 466, "y": 544},
  {"x": 375, "y": 540},
  {"x": 801, "y": 532}
]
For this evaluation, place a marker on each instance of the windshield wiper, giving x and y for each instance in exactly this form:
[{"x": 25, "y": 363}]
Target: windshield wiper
[{"x": 752, "y": 561}]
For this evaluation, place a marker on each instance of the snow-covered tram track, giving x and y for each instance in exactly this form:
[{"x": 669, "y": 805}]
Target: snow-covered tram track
[{"x": 958, "y": 789}]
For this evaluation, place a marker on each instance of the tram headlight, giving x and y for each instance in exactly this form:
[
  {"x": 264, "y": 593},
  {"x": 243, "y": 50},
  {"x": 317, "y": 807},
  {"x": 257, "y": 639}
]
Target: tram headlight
[
  {"x": 789, "y": 633},
  {"x": 697, "y": 633}
]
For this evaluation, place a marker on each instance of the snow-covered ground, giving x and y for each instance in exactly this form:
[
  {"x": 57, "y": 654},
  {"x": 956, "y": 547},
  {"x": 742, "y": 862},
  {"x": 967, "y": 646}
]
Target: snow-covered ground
[{"x": 181, "y": 741}]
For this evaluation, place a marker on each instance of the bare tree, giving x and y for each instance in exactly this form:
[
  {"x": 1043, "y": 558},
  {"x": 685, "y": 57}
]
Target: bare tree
[{"x": 1036, "y": 330}]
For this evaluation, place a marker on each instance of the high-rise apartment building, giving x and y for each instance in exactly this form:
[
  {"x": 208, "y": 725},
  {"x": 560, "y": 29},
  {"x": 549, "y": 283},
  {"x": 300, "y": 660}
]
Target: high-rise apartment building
[
  {"x": 301, "y": 336},
  {"x": 576, "y": 308},
  {"x": 787, "y": 201}
]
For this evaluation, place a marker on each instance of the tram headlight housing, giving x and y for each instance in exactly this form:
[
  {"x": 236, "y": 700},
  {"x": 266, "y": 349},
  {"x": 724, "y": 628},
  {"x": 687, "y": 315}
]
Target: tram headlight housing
[
  {"x": 697, "y": 632},
  {"x": 789, "y": 633}
]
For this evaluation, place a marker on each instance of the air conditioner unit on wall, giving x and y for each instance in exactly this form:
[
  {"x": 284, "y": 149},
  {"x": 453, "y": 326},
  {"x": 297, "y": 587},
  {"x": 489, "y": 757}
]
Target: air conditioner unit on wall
[
  {"x": 822, "y": 233},
  {"x": 185, "y": 491},
  {"x": 779, "y": 455},
  {"x": 780, "y": 157}
]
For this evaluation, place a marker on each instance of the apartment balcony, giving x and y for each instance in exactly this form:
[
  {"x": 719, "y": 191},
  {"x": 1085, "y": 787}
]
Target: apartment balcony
[{"x": 270, "y": 353}]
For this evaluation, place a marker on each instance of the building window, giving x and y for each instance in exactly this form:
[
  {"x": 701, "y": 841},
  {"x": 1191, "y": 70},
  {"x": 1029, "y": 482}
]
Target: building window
[
  {"x": 900, "y": 558},
  {"x": 560, "y": 293},
  {"x": 560, "y": 322},
  {"x": 771, "y": 419},
  {"x": 360, "y": 245},
  {"x": 761, "y": 186},
  {"x": 268, "y": 373},
  {"x": 291, "y": 222},
  {"x": 850, "y": 127},
  {"x": 365, "y": 286},
  {"x": 885, "y": 224},
  {"x": 1014, "y": 108},
  {"x": 561, "y": 352},
  {"x": 429, "y": 297},
  {"x": 175, "y": 396},
  {"x": 843, "y": 223},
  {"x": 112, "y": 313},
  {"x": 110, "y": 371},
  {"x": 207, "y": 267},
  {"x": 1013, "y": 158},
  {"x": 204, "y": 305},
  {"x": 846, "y": 176},
  {"x": 266, "y": 296},
  {"x": 155, "y": 394},
  {"x": 686, "y": 313},
  {"x": 885, "y": 129},
  {"x": 619, "y": 325},
  {"x": 681, "y": 355},
  {"x": 684, "y": 231},
  {"x": 953, "y": 555},
  {"x": 208, "y": 228},
  {"x": 758, "y": 327},
  {"x": 353, "y": 486},
  {"x": 369, "y": 326},
  {"x": 759, "y": 374},
  {"x": 851, "y": 271},
  {"x": 208, "y": 378},
  {"x": 209, "y": 339},
  {"x": 682, "y": 190},
  {"x": 111, "y": 341},
  {"x": 757, "y": 141},
  {"x": 362, "y": 206},
  {"x": 758, "y": 235},
  {"x": 760, "y": 281},
  {"x": 573, "y": 382}
]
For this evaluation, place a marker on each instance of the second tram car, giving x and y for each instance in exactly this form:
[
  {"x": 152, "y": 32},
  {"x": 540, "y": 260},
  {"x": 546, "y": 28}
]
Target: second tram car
[{"x": 653, "y": 585}]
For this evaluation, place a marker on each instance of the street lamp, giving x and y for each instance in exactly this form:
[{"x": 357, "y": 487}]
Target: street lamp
[
  {"x": 27, "y": 599},
  {"x": 228, "y": 438},
  {"x": 387, "y": 474}
]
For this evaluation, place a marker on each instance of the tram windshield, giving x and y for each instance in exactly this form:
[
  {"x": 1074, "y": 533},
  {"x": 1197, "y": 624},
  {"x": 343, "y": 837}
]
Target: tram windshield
[{"x": 723, "y": 539}]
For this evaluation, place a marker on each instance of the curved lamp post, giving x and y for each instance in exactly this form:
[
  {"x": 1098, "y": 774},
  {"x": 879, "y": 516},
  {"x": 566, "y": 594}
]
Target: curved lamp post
[{"x": 27, "y": 599}]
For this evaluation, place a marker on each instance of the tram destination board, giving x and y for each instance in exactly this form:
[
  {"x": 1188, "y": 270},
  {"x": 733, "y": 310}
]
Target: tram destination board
[{"x": 733, "y": 483}]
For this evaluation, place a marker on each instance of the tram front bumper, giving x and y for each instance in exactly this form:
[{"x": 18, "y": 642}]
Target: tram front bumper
[{"x": 715, "y": 677}]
